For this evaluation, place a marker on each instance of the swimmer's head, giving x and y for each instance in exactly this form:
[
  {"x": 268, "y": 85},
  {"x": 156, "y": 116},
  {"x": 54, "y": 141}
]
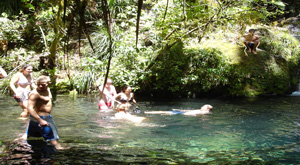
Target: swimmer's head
[
  {"x": 206, "y": 107},
  {"x": 252, "y": 31}
]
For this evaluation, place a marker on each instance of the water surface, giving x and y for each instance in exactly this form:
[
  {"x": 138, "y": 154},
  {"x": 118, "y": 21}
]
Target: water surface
[{"x": 256, "y": 130}]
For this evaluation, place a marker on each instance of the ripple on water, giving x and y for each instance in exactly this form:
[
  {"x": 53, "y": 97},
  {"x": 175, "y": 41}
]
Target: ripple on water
[{"x": 264, "y": 130}]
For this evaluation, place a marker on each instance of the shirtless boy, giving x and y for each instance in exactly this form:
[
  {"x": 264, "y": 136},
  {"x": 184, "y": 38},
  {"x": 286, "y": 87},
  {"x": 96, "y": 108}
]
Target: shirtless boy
[
  {"x": 39, "y": 106},
  {"x": 251, "y": 41}
]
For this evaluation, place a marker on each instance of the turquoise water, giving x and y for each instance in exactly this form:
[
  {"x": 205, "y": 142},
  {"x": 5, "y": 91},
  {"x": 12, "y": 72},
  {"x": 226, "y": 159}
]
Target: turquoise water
[{"x": 253, "y": 131}]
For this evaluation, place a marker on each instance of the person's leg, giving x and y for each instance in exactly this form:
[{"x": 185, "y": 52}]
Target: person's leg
[
  {"x": 256, "y": 44},
  {"x": 23, "y": 105},
  {"x": 247, "y": 45},
  {"x": 56, "y": 144}
]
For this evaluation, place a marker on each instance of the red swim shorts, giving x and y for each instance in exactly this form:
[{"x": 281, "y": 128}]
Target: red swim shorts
[{"x": 104, "y": 106}]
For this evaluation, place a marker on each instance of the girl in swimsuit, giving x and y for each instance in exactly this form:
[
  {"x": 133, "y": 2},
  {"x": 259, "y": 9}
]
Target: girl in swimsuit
[
  {"x": 107, "y": 96},
  {"x": 125, "y": 97},
  {"x": 21, "y": 85}
]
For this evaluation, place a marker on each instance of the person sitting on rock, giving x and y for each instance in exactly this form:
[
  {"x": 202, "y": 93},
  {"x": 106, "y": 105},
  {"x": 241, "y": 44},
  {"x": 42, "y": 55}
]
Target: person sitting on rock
[{"x": 251, "y": 41}]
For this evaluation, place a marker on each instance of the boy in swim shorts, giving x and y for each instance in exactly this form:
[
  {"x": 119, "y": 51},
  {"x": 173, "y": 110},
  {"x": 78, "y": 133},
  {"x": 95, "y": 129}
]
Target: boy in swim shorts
[
  {"x": 251, "y": 41},
  {"x": 40, "y": 106}
]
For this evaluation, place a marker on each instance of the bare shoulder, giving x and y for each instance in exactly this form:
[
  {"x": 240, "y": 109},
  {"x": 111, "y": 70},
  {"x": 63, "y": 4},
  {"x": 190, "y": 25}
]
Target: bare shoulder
[{"x": 34, "y": 93}]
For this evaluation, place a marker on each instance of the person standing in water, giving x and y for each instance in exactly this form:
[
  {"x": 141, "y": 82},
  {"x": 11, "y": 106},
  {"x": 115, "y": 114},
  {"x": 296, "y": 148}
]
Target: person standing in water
[
  {"x": 40, "y": 106},
  {"x": 21, "y": 85},
  {"x": 106, "y": 101}
]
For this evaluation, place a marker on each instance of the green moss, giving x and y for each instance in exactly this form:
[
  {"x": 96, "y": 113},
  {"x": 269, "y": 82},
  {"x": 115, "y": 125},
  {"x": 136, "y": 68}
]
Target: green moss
[{"x": 270, "y": 71}]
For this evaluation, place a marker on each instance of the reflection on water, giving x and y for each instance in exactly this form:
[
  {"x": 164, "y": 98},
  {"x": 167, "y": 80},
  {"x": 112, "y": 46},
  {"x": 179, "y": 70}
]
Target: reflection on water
[{"x": 257, "y": 130}]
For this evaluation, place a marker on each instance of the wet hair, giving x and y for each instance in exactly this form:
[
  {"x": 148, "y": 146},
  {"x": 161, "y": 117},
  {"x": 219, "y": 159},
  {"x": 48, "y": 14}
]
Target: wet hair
[
  {"x": 252, "y": 30},
  {"x": 124, "y": 88},
  {"x": 207, "y": 107},
  {"x": 24, "y": 67},
  {"x": 43, "y": 78}
]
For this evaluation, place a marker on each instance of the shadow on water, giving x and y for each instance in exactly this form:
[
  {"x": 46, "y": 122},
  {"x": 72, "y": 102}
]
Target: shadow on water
[
  {"x": 40, "y": 153},
  {"x": 238, "y": 131}
]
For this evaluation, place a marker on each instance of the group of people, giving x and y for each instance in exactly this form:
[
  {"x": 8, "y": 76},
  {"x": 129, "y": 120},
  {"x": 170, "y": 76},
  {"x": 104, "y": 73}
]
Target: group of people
[
  {"x": 109, "y": 96},
  {"x": 35, "y": 99}
]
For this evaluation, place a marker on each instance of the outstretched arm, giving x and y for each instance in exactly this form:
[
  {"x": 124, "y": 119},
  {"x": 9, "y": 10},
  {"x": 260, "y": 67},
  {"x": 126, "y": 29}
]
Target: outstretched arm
[{"x": 2, "y": 72}]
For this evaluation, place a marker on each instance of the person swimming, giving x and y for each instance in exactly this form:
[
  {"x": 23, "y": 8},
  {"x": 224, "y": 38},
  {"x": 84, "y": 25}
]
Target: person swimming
[{"x": 205, "y": 109}]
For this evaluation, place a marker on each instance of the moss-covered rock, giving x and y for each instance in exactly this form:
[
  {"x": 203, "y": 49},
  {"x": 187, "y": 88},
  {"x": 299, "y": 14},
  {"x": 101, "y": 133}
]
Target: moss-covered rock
[{"x": 273, "y": 70}]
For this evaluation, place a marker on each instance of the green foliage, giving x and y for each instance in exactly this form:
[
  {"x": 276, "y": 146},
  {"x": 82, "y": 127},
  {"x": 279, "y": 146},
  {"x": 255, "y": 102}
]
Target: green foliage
[
  {"x": 84, "y": 83},
  {"x": 280, "y": 43},
  {"x": 208, "y": 70},
  {"x": 167, "y": 72},
  {"x": 177, "y": 66},
  {"x": 11, "y": 29},
  {"x": 4, "y": 86},
  {"x": 11, "y": 7}
]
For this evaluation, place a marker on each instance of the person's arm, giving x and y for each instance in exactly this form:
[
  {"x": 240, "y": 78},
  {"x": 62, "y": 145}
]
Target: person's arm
[
  {"x": 33, "y": 97},
  {"x": 33, "y": 86},
  {"x": 105, "y": 91},
  {"x": 118, "y": 96},
  {"x": 12, "y": 83},
  {"x": 47, "y": 98},
  {"x": 256, "y": 38},
  {"x": 133, "y": 100},
  {"x": 114, "y": 94},
  {"x": 2, "y": 72},
  {"x": 114, "y": 90}
]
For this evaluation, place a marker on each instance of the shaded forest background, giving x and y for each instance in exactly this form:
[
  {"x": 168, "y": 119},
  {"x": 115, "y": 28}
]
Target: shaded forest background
[{"x": 160, "y": 47}]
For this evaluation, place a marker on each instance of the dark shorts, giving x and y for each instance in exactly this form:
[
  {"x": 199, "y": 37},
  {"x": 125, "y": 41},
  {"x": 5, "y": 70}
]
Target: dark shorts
[
  {"x": 251, "y": 45},
  {"x": 48, "y": 133}
]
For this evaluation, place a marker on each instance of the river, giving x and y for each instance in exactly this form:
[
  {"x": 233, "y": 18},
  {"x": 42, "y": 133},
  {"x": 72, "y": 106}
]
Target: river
[{"x": 241, "y": 130}]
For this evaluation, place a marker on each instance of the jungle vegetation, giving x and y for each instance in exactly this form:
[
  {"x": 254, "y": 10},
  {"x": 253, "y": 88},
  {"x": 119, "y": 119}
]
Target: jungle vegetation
[{"x": 160, "y": 47}]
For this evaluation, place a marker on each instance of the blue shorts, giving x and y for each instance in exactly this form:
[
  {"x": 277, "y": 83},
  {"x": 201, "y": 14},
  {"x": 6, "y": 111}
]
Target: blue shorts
[{"x": 49, "y": 133}]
